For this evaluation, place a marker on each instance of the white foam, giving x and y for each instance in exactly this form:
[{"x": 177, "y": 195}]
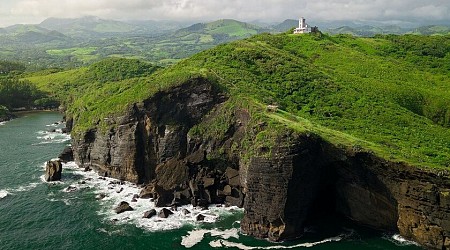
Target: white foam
[
  {"x": 52, "y": 137},
  {"x": 3, "y": 194},
  {"x": 399, "y": 240},
  {"x": 111, "y": 187},
  {"x": 55, "y": 124},
  {"x": 2, "y": 123},
  {"x": 225, "y": 243},
  {"x": 24, "y": 188},
  {"x": 196, "y": 236}
]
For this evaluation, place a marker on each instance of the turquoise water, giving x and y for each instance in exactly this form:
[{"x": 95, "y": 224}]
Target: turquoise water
[{"x": 39, "y": 215}]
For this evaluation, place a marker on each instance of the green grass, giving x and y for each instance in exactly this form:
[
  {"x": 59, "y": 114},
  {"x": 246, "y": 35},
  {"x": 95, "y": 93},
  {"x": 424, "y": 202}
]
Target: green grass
[
  {"x": 388, "y": 95},
  {"x": 83, "y": 54},
  {"x": 72, "y": 51}
]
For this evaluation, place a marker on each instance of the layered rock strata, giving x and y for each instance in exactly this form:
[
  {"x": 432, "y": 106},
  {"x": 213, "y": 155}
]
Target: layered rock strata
[
  {"x": 279, "y": 190},
  {"x": 367, "y": 189}
]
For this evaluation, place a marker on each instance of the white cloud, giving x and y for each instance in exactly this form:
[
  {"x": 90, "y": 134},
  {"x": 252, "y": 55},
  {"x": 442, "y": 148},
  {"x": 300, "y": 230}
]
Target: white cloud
[{"x": 37, "y": 10}]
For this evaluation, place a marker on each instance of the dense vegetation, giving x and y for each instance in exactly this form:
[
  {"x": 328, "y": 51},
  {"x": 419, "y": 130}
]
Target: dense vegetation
[
  {"x": 388, "y": 94},
  {"x": 7, "y": 68},
  {"x": 16, "y": 94},
  {"x": 89, "y": 40},
  {"x": 71, "y": 43},
  {"x": 20, "y": 94}
]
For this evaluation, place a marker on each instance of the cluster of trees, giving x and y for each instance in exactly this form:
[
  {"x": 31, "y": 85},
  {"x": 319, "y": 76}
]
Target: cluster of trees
[
  {"x": 117, "y": 69},
  {"x": 16, "y": 93},
  {"x": 7, "y": 67}
]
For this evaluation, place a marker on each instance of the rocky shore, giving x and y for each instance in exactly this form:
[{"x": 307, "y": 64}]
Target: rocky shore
[{"x": 301, "y": 177}]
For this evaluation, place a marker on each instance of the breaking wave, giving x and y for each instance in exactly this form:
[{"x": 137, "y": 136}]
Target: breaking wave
[
  {"x": 196, "y": 236},
  {"x": 110, "y": 192},
  {"x": 3, "y": 194}
]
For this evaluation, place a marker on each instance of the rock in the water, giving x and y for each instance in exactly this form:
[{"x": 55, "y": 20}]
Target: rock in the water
[
  {"x": 185, "y": 211},
  {"x": 200, "y": 217},
  {"x": 123, "y": 207},
  {"x": 164, "y": 213},
  {"x": 71, "y": 189},
  {"x": 149, "y": 214},
  {"x": 100, "y": 196},
  {"x": 147, "y": 192},
  {"x": 53, "y": 171},
  {"x": 133, "y": 200},
  {"x": 66, "y": 155}
]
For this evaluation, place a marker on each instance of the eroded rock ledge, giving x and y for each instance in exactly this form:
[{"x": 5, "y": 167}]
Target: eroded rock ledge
[
  {"x": 372, "y": 191},
  {"x": 150, "y": 144}
]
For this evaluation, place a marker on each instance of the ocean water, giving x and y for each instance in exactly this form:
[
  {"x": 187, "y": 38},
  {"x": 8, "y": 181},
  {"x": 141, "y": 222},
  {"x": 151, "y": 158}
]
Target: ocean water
[{"x": 68, "y": 214}]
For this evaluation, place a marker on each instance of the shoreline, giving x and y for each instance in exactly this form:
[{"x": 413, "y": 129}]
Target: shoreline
[
  {"x": 31, "y": 111},
  {"x": 10, "y": 115}
]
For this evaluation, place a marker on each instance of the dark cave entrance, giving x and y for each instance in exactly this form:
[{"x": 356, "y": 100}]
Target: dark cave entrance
[
  {"x": 347, "y": 198},
  {"x": 323, "y": 209}
]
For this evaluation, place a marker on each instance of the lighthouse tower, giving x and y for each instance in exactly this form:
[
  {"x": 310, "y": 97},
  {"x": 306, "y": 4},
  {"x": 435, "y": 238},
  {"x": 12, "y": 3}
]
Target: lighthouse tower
[{"x": 302, "y": 27}]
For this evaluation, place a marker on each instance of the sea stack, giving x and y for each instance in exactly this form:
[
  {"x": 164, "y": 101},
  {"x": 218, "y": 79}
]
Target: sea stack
[{"x": 53, "y": 170}]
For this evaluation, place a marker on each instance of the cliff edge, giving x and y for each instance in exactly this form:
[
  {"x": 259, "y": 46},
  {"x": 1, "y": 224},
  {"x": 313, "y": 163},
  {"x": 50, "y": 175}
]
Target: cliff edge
[{"x": 302, "y": 125}]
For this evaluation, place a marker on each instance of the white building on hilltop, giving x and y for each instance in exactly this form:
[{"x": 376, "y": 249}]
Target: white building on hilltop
[{"x": 302, "y": 27}]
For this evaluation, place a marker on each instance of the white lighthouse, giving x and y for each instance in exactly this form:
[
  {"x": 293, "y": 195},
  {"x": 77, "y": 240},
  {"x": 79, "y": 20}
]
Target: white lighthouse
[{"x": 302, "y": 27}]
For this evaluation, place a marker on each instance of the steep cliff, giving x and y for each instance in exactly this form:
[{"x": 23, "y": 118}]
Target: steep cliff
[
  {"x": 384, "y": 195},
  {"x": 168, "y": 143},
  {"x": 301, "y": 125}
]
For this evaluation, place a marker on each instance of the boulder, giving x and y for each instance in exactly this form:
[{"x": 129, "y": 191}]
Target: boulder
[
  {"x": 53, "y": 170},
  {"x": 185, "y": 211},
  {"x": 164, "y": 213},
  {"x": 71, "y": 189},
  {"x": 236, "y": 198},
  {"x": 226, "y": 191},
  {"x": 200, "y": 217},
  {"x": 233, "y": 177},
  {"x": 123, "y": 207},
  {"x": 208, "y": 182},
  {"x": 147, "y": 192},
  {"x": 149, "y": 214},
  {"x": 100, "y": 196},
  {"x": 66, "y": 155}
]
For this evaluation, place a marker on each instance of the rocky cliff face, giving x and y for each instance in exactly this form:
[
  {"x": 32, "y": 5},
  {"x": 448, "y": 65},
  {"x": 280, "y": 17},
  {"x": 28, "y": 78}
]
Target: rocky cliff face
[
  {"x": 367, "y": 189},
  {"x": 150, "y": 145},
  {"x": 301, "y": 176}
]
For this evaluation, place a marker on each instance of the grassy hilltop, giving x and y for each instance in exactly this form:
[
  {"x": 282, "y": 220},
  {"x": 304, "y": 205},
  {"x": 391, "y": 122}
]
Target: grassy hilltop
[{"x": 388, "y": 94}]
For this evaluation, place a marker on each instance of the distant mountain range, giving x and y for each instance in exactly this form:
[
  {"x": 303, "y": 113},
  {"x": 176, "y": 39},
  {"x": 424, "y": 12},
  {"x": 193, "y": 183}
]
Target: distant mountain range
[
  {"x": 63, "y": 42},
  {"x": 90, "y": 27},
  {"x": 95, "y": 27}
]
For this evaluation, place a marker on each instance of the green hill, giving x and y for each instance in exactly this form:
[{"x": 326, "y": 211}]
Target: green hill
[
  {"x": 431, "y": 30},
  {"x": 368, "y": 30},
  {"x": 91, "y": 26},
  {"x": 227, "y": 27},
  {"x": 29, "y": 34},
  {"x": 285, "y": 25},
  {"x": 388, "y": 95}
]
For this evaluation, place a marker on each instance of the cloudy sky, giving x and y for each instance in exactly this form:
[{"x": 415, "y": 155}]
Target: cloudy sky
[{"x": 35, "y": 11}]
